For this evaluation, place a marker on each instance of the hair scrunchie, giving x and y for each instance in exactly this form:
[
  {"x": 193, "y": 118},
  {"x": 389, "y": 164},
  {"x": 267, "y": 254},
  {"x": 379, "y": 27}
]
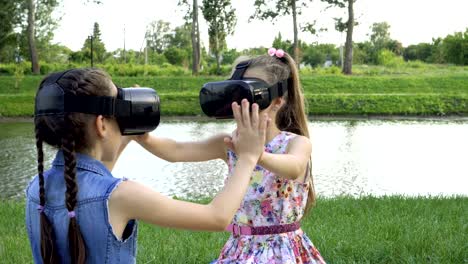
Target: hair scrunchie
[{"x": 279, "y": 53}]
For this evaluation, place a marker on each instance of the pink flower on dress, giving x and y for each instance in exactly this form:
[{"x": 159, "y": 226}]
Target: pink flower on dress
[{"x": 266, "y": 207}]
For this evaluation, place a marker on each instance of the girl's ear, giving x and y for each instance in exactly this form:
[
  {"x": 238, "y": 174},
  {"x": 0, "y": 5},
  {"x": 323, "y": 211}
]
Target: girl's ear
[
  {"x": 278, "y": 103},
  {"x": 101, "y": 127}
]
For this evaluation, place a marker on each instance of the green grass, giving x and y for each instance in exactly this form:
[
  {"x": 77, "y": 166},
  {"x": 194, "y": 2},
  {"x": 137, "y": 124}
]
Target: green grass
[
  {"x": 345, "y": 230},
  {"x": 437, "y": 91}
]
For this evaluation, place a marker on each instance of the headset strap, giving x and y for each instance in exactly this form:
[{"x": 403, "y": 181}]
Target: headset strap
[
  {"x": 53, "y": 100},
  {"x": 240, "y": 70}
]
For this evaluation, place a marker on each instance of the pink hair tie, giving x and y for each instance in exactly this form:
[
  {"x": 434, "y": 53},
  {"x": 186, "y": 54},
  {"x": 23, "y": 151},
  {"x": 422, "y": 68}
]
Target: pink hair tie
[
  {"x": 271, "y": 51},
  {"x": 279, "y": 53},
  {"x": 71, "y": 214},
  {"x": 40, "y": 208}
]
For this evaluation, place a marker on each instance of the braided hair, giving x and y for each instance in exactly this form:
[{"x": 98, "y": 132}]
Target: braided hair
[{"x": 68, "y": 133}]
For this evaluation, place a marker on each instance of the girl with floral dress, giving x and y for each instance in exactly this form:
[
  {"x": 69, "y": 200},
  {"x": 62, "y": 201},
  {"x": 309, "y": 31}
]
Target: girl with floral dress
[{"x": 266, "y": 227}]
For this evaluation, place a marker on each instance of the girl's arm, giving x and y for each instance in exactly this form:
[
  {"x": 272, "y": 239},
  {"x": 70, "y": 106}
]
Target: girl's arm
[
  {"x": 173, "y": 151},
  {"x": 132, "y": 200},
  {"x": 293, "y": 163}
]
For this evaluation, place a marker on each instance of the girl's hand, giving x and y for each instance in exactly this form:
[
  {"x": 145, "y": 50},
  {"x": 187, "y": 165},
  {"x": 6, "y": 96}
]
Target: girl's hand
[
  {"x": 228, "y": 141},
  {"x": 249, "y": 139}
]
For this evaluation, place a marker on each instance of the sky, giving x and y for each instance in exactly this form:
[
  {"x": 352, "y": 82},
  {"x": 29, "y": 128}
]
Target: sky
[{"x": 411, "y": 21}]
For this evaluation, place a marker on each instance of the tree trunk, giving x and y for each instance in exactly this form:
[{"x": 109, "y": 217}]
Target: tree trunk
[
  {"x": 195, "y": 39},
  {"x": 296, "y": 44},
  {"x": 217, "y": 53},
  {"x": 218, "y": 64},
  {"x": 348, "y": 62},
  {"x": 32, "y": 37}
]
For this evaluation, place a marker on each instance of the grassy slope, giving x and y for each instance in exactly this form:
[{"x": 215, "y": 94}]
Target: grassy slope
[{"x": 423, "y": 93}]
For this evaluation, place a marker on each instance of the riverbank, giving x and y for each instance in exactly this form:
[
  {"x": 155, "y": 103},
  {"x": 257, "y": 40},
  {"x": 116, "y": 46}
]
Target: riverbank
[
  {"x": 390, "y": 229},
  {"x": 327, "y": 95}
]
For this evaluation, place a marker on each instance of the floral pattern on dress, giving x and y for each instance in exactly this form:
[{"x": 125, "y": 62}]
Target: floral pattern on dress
[{"x": 270, "y": 200}]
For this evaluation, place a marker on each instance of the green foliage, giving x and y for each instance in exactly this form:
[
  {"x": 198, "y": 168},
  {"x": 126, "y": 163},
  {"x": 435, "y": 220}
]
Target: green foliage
[
  {"x": 98, "y": 47},
  {"x": 19, "y": 75},
  {"x": 316, "y": 55},
  {"x": 285, "y": 45},
  {"x": 158, "y": 35},
  {"x": 8, "y": 15},
  {"x": 412, "y": 89},
  {"x": 421, "y": 51},
  {"x": 340, "y": 25},
  {"x": 438, "y": 55},
  {"x": 389, "y": 59},
  {"x": 230, "y": 56},
  {"x": 224, "y": 70},
  {"x": 455, "y": 48},
  {"x": 45, "y": 24},
  {"x": 181, "y": 37},
  {"x": 266, "y": 9},
  {"x": 177, "y": 56},
  {"x": 221, "y": 19},
  {"x": 451, "y": 49},
  {"x": 379, "y": 40}
]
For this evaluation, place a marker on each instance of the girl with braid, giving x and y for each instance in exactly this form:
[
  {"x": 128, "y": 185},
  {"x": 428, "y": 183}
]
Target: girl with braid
[{"x": 77, "y": 212}]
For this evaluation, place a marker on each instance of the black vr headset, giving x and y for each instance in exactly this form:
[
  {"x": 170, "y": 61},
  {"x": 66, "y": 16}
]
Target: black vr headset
[
  {"x": 135, "y": 109},
  {"x": 216, "y": 97}
]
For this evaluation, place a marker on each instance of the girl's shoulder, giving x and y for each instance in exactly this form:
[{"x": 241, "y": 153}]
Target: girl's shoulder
[{"x": 289, "y": 138}]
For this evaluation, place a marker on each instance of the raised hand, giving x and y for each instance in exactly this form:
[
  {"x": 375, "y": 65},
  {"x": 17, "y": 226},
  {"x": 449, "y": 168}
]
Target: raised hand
[{"x": 249, "y": 138}]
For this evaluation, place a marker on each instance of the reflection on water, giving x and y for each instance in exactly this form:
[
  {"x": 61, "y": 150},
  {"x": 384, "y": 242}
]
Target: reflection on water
[{"x": 427, "y": 157}]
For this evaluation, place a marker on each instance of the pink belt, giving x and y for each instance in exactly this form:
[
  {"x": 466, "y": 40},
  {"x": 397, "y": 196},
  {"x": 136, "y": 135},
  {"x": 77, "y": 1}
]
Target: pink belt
[{"x": 262, "y": 230}]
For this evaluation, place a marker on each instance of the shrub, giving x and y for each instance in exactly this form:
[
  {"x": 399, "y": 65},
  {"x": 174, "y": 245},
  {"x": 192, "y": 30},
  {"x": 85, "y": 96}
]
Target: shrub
[{"x": 389, "y": 59}]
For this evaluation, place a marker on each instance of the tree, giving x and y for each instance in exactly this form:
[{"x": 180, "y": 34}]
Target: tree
[
  {"x": 347, "y": 26},
  {"x": 181, "y": 37},
  {"x": 263, "y": 11},
  {"x": 380, "y": 35},
  {"x": 8, "y": 15},
  {"x": 221, "y": 20},
  {"x": 230, "y": 56},
  {"x": 158, "y": 35},
  {"x": 285, "y": 45},
  {"x": 380, "y": 39},
  {"x": 37, "y": 21},
  {"x": 437, "y": 54},
  {"x": 176, "y": 56},
  {"x": 315, "y": 55},
  {"x": 421, "y": 51},
  {"x": 98, "y": 48},
  {"x": 195, "y": 33},
  {"x": 455, "y": 48}
]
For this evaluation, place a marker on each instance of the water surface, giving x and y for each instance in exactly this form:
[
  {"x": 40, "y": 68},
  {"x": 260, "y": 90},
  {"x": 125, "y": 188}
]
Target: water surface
[{"x": 350, "y": 157}]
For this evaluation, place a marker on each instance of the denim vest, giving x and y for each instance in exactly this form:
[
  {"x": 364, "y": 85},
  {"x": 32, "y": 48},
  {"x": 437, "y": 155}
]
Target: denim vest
[{"x": 95, "y": 185}]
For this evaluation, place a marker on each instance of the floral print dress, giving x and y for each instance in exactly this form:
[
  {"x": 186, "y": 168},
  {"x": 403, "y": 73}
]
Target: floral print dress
[{"x": 269, "y": 201}]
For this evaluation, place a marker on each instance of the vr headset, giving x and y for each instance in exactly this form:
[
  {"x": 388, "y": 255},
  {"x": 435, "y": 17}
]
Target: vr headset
[
  {"x": 137, "y": 110},
  {"x": 216, "y": 97}
]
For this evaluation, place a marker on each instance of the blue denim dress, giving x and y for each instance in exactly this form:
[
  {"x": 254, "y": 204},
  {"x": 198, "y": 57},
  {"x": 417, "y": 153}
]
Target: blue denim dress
[{"x": 95, "y": 185}]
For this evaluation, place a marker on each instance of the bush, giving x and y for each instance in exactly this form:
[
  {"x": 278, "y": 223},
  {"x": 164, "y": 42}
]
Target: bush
[
  {"x": 225, "y": 70},
  {"x": 389, "y": 59},
  {"x": 11, "y": 68},
  {"x": 333, "y": 70}
]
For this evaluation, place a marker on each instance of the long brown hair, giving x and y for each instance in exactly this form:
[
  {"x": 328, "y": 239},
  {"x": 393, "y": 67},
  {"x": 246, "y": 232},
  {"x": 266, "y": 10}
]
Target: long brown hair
[
  {"x": 69, "y": 133},
  {"x": 292, "y": 116}
]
